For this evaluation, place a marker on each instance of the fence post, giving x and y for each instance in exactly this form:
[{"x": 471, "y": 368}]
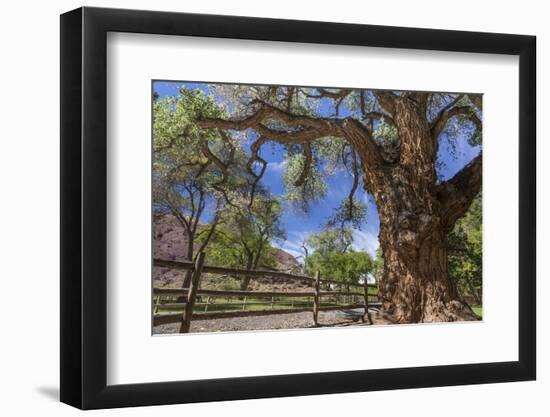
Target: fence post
[
  {"x": 316, "y": 299},
  {"x": 157, "y": 302},
  {"x": 192, "y": 294},
  {"x": 367, "y": 314}
]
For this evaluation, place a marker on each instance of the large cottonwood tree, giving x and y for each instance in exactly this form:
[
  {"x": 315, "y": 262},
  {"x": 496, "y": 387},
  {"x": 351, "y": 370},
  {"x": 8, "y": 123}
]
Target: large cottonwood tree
[{"x": 389, "y": 140}]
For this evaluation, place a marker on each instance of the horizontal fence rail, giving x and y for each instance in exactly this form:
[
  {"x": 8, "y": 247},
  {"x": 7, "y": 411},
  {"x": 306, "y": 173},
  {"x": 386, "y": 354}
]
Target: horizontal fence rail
[
  {"x": 239, "y": 293},
  {"x": 299, "y": 301},
  {"x": 176, "y": 317},
  {"x": 254, "y": 273}
]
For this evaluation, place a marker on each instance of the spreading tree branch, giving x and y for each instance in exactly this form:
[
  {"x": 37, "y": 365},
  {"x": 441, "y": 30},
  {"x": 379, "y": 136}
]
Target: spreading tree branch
[
  {"x": 180, "y": 217},
  {"x": 255, "y": 157},
  {"x": 210, "y": 233},
  {"x": 372, "y": 115},
  {"x": 305, "y": 129},
  {"x": 355, "y": 181},
  {"x": 476, "y": 99},
  {"x": 213, "y": 158},
  {"x": 308, "y": 158},
  {"x": 308, "y": 128},
  {"x": 456, "y": 195},
  {"x": 446, "y": 114},
  {"x": 420, "y": 98},
  {"x": 386, "y": 99},
  {"x": 339, "y": 94}
]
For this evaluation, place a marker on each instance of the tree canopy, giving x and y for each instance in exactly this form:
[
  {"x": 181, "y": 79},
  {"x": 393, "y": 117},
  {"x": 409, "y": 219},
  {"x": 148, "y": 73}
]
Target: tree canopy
[
  {"x": 324, "y": 130},
  {"x": 465, "y": 255},
  {"x": 388, "y": 142},
  {"x": 334, "y": 257}
]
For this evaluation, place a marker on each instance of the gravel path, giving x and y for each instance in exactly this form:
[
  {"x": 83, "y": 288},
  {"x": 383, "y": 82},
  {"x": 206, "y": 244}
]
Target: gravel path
[{"x": 336, "y": 318}]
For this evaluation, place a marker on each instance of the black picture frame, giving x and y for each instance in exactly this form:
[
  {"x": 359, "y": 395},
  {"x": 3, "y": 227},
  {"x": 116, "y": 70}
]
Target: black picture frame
[{"x": 84, "y": 207}]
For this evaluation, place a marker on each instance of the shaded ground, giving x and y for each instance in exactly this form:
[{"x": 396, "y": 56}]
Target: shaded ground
[{"x": 337, "y": 318}]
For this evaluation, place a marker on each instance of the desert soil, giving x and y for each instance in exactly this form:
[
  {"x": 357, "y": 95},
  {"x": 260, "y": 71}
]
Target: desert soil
[{"x": 337, "y": 318}]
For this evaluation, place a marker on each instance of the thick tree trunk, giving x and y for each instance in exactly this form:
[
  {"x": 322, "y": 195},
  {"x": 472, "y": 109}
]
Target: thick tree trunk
[
  {"x": 414, "y": 222},
  {"x": 415, "y": 286}
]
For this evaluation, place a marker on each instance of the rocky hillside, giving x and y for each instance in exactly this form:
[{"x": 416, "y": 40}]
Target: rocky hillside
[{"x": 170, "y": 242}]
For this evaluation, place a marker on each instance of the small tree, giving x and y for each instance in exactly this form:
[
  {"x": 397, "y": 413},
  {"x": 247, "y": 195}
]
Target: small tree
[
  {"x": 192, "y": 169},
  {"x": 330, "y": 240},
  {"x": 334, "y": 257},
  {"x": 349, "y": 267},
  {"x": 245, "y": 238}
]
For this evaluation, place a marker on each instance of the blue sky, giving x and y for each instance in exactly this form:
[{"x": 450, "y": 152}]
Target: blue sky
[{"x": 299, "y": 225}]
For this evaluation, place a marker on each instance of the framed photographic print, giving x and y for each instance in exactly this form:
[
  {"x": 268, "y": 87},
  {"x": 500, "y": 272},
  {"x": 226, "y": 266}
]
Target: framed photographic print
[{"x": 246, "y": 201}]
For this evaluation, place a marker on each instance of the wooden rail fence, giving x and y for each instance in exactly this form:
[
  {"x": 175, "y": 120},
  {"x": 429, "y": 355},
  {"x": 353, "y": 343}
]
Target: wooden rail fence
[{"x": 186, "y": 298}]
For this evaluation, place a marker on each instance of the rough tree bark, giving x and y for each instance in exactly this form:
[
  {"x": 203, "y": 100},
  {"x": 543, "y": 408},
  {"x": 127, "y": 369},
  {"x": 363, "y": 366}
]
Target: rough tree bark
[
  {"x": 416, "y": 213},
  {"x": 416, "y": 216}
]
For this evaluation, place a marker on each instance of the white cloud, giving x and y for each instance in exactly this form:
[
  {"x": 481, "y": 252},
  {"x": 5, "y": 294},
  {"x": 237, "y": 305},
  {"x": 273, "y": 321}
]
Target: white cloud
[
  {"x": 366, "y": 241},
  {"x": 276, "y": 166},
  {"x": 300, "y": 236}
]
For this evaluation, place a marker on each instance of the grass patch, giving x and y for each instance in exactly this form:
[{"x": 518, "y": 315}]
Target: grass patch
[
  {"x": 478, "y": 310},
  {"x": 223, "y": 304}
]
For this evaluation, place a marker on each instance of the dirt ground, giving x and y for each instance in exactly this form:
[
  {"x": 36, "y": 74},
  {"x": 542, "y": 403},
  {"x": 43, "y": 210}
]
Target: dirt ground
[{"x": 336, "y": 318}]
